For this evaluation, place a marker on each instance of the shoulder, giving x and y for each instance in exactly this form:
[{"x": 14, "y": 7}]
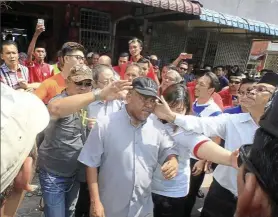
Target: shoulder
[{"x": 59, "y": 96}]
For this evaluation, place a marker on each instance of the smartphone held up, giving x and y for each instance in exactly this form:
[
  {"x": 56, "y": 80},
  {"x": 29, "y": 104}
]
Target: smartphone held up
[{"x": 41, "y": 22}]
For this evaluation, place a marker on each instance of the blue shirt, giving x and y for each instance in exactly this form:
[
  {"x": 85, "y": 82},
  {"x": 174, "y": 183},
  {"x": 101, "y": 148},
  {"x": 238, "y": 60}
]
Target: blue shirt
[
  {"x": 224, "y": 82},
  {"x": 233, "y": 110},
  {"x": 127, "y": 157}
]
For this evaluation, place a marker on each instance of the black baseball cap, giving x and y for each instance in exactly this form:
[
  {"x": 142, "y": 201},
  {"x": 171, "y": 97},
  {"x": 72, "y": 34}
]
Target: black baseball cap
[
  {"x": 269, "y": 120},
  {"x": 270, "y": 78},
  {"x": 145, "y": 86}
]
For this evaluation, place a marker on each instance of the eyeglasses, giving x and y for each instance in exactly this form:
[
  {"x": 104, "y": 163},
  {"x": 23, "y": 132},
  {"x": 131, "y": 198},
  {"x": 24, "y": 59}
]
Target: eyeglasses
[
  {"x": 78, "y": 57},
  {"x": 183, "y": 69},
  {"x": 261, "y": 89},
  {"x": 83, "y": 84},
  {"x": 106, "y": 82}
]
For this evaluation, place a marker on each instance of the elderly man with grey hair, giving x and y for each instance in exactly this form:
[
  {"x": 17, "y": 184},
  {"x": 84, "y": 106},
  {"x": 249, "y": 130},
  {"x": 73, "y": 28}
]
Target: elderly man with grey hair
[
  {"x": 171, "y": 77},
  {"x": 19, "y": 128}
]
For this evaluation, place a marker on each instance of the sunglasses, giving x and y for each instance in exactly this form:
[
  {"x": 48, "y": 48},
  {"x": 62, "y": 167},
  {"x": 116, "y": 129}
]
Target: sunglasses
[{"x": 84, "y": 84}]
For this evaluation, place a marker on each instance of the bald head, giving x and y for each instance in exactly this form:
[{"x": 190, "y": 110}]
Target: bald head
[{"x": 105, "y": 60}]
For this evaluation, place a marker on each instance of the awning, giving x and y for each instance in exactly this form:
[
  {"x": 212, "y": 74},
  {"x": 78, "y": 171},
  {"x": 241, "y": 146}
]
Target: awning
[
  {"x": 238, "y": 22},
  {"x": 184, "y": 6}
]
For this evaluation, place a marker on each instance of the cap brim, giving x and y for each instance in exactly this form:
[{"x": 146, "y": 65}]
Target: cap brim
[
  {"x": 147, "y": 93},
  {"x": 79, "y": 78}
]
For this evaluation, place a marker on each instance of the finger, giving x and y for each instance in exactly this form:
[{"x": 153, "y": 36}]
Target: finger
[
  {"x": 169, "y": 171},
  {"x": 171, "y": 175}
]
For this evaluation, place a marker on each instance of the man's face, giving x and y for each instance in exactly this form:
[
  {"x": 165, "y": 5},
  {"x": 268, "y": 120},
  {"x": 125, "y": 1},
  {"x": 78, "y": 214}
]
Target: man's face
[
  {"x": 122, "y": 61},
  {"x": 39, "y": 54},
  {"x": 242, "y": 94},
  {"x": 95, "y": 58},
  {"x": 219, "y": 72},
  {"x": 259, "y": 96},
  {"x": 145, "y": 67},
  {"x": 183, "y": 68},
  {"x": 234, "y": 84},
  {"x": 80, "y": 87},
  {"x": 74, "y": 58},
  {"x": 140, "y": 106},
  {"x": 105, "y": 78},
  {"x": 131, "y": 73},
  {"x": 10, "y": 54},
  {"x": 202, "y": 88},
  {"x": 135, "y": 49},
  {"x": 164, "y": 72},
  {"x": 168, "y": 80}
]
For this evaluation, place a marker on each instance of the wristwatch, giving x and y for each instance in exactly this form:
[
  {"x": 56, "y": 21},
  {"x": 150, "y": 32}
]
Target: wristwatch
[{"x": 97, "y": 95}]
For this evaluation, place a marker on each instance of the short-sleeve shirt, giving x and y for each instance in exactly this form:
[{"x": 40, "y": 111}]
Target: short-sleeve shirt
[
  {"x": 12, "y": 78},
  {"x": 187, "y": 143},
  {"x": 63, "y": 141},
  {"x": 127, "y": 157},
  {"x": 50, "y": 88},
  {"x": 206, "y": 110},
  {"x": 39, "y": 72}
]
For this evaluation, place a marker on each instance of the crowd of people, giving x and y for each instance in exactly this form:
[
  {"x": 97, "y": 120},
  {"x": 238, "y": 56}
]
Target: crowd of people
[{"x": 136, "y": 139}]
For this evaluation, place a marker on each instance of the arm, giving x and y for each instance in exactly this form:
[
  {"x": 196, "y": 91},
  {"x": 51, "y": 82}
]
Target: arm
[
  {"x": 209, "y": 126},
  {"x": 62, "y": 107},
  {"x": 91, "y": 156},
  {"x": 39, "y": 30},
  {"x": 215, "y": 153},
  {"x": 177, "y": 61}
]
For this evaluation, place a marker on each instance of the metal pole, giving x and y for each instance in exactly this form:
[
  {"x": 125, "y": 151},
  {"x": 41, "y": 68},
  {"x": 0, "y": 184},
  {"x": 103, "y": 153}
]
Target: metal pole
[{"x": 205, "y": 49}]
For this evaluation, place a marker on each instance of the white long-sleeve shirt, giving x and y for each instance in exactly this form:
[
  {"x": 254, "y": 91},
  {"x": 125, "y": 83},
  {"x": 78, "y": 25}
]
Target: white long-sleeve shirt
[{"x": 236, "y": 130}]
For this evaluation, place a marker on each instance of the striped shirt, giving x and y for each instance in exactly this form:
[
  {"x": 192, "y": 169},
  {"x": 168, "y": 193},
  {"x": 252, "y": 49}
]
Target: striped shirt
[
  {"x": 206, "y": 110},
  {"x": 12, "y": 78}
]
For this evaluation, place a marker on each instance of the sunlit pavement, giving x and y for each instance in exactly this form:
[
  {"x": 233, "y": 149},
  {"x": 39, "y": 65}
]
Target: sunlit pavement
[{"x": 30, "y": 205}]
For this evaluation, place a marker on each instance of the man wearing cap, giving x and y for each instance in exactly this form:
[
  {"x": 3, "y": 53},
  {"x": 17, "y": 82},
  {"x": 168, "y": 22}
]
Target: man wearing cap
[
  {"x": 236, "y": 130},
  {"x": 64, "y": 138},
  {"x": 128, "y": 157},
  {"x": 258, "y": 174},
  {"x": 19, "y": 128}
]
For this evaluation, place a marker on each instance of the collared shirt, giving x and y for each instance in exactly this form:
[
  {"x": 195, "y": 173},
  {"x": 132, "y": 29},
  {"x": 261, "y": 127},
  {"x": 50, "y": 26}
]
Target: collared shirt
[
  {"x": 233, "y": 110},
  {"x": 127, "y": 157},
  {"x": 236, "y": 130},
  {"x": 39, "y": 72},
  {"x": 187, "y": 143},
  {"x": 12, "y": 78},
  {"x": 206, "y": 110},
  {"x": 99, "y": 108}
]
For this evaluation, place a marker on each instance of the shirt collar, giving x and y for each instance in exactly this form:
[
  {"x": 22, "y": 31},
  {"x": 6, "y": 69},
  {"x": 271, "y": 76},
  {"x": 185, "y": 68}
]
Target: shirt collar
[{"x": 8, "y": 69}]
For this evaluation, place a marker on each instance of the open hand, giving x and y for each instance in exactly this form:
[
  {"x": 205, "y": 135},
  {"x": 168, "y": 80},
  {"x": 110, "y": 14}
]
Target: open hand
[
  {"x": 198, "y": 167},
  {"x": 115, "y": 90},
  {"x": 163, "y": 111}
]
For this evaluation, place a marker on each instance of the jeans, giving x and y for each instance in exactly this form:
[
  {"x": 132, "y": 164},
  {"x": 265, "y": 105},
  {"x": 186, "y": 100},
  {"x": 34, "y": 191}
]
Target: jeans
[{"x": 60, "y": 194}]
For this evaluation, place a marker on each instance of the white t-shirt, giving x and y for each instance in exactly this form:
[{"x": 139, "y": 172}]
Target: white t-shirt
[
  {"x": 206, "y": 110},
  {"x": 178, "y": 186}
]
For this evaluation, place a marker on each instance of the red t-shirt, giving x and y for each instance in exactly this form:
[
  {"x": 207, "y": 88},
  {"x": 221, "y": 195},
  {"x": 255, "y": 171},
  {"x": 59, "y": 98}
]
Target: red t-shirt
[
  {"x": 149, "y": 75},
  {"x": 215, "y": 96},
  {"x": 39, "y": 72},
  {"x": 226, "y": 97},
  {"x": 117, "y": 69}
]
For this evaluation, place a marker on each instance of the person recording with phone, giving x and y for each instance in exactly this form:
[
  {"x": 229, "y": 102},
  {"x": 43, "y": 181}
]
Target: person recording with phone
[{"x": 38, "y": 69}]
